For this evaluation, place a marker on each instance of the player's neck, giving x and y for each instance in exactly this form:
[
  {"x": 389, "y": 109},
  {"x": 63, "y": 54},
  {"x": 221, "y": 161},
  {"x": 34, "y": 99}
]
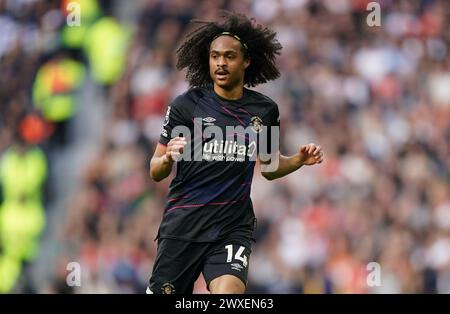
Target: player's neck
[{"x": 231, "y": 94}]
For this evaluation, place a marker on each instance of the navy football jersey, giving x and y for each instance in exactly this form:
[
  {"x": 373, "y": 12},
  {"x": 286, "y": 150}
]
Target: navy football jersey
[{"x": 209, "y": 197}]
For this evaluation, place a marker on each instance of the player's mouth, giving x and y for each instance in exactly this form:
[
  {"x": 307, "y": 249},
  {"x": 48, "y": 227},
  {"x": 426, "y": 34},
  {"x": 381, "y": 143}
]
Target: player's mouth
[{"x": 221, "y": 74}]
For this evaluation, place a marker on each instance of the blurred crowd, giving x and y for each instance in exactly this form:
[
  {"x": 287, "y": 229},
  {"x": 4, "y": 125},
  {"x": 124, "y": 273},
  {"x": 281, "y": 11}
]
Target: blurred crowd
[
  {"x": 23, "y": 164},
  {"x": 43, "y": 65},
  {"x": 377, "y": 99}
]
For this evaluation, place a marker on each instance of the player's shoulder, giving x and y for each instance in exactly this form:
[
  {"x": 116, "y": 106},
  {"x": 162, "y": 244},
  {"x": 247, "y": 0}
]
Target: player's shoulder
[
  {"x": 189, "y": 98},
  {"x": 263, "y": 101}
]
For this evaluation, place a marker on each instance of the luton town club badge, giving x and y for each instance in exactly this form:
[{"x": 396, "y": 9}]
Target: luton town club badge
[{"x": 256, "y": 124}]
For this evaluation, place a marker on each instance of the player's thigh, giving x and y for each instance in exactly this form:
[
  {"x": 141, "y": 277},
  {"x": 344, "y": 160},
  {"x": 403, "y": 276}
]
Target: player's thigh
[
  {"x": 227, "y": 284},
  {"x": 177, "y": 266},
  {"x": 227, "y": 258}
]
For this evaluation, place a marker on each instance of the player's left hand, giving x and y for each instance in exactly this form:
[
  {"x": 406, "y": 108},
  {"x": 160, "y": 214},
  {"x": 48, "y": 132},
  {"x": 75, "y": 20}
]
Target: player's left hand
[{"x": 311, "y": 154}]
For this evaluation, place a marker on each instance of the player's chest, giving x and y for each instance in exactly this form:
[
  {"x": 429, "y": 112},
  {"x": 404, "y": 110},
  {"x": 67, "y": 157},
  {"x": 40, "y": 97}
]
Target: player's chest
[{"x": 215, "y": 115}]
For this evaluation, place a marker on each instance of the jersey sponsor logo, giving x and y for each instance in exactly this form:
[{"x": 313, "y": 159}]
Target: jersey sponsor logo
[
  {"x": 228, "y": 150},
  {"x": 256, "y": 124}
]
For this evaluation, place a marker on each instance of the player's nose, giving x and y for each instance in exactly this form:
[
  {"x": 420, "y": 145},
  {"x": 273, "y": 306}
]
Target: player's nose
[{"x": 221, "y": 61}]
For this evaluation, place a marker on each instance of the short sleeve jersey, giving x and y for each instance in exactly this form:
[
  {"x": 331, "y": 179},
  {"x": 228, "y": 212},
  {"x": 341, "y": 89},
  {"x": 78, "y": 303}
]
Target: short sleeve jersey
[{"x": 209, "y": 197}]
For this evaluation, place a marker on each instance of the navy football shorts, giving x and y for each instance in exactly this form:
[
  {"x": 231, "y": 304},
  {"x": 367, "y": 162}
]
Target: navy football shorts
[{"x": 179, "y": 263}]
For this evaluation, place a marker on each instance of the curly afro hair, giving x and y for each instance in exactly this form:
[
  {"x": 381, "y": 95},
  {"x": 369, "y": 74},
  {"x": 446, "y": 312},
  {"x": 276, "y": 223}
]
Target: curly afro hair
[{"x": 262, "y": 48}]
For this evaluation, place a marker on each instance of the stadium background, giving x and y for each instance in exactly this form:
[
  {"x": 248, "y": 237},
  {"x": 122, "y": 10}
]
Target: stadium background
[{"x": 81, "y": 109}]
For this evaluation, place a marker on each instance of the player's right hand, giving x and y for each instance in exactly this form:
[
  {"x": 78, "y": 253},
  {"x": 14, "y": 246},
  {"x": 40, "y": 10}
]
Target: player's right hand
[{"x": 175, "y": 148}]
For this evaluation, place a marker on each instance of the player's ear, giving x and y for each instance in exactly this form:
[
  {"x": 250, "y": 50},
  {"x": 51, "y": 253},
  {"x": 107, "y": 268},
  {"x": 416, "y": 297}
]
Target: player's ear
[{"x": 246, "y": 62}]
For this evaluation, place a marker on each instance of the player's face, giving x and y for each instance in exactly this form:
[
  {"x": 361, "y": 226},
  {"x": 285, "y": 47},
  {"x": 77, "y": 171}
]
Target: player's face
[{"x": 227, "y": 63}]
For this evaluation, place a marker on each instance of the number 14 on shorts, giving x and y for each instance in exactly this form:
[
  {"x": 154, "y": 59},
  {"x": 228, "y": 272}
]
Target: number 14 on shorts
[{"x": 238, "y": 256}]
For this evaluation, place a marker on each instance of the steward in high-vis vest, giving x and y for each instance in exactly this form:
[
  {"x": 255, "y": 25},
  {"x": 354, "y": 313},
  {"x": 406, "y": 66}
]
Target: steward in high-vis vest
[
  {"x": 9, "y": 273},
  {"x": 23, "y": 171},
  {"x": 106, "y": 47},
  {"x": 21, "y": 224},
  {"x": 54, "y": 94},
  {"x": 55, "y": 86}
]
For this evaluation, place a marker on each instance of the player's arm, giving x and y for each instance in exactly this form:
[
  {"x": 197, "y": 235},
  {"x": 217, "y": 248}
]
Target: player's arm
[
  {"x": 309, "y": 154},
  {"x": 164, "y": 157}
]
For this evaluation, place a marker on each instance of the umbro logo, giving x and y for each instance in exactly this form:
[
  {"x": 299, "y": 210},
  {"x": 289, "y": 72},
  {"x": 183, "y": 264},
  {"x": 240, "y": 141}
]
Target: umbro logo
[
  {"x": 237, "y": 266},
  {"x": 209, "y": 120}
]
